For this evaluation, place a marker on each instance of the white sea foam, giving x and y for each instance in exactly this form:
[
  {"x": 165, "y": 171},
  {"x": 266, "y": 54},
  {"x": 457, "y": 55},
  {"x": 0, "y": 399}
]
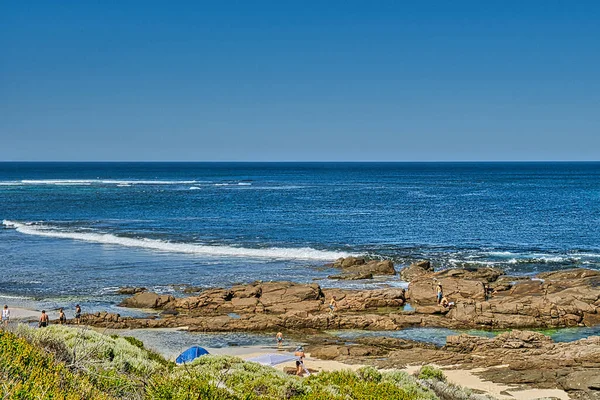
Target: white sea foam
[
  {"x": 304, "y": 253},
  {"x": 87, "y": 182},
  {"x": 195, "y": 188}
]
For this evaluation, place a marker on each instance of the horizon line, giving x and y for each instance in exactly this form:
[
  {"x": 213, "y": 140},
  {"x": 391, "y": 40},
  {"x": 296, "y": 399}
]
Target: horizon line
[{"x": 297, "y": 161}]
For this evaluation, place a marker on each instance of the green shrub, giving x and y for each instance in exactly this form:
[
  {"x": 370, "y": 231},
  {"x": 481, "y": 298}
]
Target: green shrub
[
  {"x": 429, "y": 372},
  {"x": 369, "y": 374},
  {"x": 28, "y": 372}
]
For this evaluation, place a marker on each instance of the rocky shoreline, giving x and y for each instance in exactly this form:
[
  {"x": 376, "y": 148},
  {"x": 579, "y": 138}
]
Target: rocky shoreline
[
  {"x": 485, "y": 298},
  {"x": 519, "y": 358}
]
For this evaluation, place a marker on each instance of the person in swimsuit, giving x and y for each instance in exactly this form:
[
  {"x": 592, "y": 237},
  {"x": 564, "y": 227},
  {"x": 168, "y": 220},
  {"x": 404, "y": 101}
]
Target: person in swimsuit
[
  {"x": 300, "y": 368},
  {"x": 332, "y": 305},
  {"x": 77, "y": 314},
  {"x": 440, "y": 293},
  {"x": 43, "y": 320},
  {"x": 446, "y": 303},
  {"x": 62, "y": 318},
  {"x": 279, "y": 338},
  {"x": 5, "y": 316}
]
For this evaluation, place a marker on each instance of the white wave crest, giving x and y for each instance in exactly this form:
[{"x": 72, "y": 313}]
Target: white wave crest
[
  {"x": 88, "y": 182},
  {"x": 304, "y": 253}
]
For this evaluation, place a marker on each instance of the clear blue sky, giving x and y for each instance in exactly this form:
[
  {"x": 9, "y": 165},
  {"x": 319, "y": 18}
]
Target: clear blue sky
[{"x": 287, "y": 81}]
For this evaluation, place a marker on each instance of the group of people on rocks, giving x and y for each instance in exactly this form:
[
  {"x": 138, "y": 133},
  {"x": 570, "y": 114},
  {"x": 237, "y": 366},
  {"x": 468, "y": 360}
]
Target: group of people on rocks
[
  {"x": 62, "y": 318},
  {"x": 44, "y": 319}
]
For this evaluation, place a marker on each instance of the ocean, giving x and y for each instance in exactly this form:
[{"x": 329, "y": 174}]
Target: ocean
[{"x": 76, "y": 232}]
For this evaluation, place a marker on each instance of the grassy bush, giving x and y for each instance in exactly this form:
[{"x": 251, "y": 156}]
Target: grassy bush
[
  {"x": 113, "y": 365},
  {"x": 431, "y": 373},
  {"x": 28, "y": 372}
]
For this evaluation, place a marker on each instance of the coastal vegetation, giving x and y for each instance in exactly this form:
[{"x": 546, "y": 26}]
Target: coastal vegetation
[{"x": 62, "y": 362}]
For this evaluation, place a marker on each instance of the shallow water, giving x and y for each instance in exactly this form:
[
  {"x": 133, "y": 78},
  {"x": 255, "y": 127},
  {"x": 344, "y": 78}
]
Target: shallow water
[
  {"x": 170, "y": 343},
  {"x": 438, "y": 336}
]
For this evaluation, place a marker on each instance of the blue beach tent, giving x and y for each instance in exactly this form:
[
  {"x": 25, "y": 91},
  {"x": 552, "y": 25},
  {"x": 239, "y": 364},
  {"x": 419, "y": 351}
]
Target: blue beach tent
[{"x": 191, "y": 354}]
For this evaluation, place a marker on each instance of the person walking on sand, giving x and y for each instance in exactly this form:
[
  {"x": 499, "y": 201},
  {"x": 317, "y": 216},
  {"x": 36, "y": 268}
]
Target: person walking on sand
[
  {"x": 62, "y": 318},
  {"x": 279, "y": 338},
  {"x": 43, "y": 320},
  {"x": 332, "y": 305},
  {"x": 5, "y": 315},
  {"x": 300, "y": 368},
  {"x": 440, "y": 293},
  {"x": 77, "y": 314}
]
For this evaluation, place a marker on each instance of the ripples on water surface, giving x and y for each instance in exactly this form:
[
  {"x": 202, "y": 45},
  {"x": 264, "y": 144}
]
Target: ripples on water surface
[{"x": 77, "y": 232}]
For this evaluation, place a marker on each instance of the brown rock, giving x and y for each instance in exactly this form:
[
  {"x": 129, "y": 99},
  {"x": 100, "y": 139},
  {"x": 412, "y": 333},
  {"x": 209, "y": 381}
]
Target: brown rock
[
  {"x": 590, "y": 319},
  {"x": 416, "y": 270},
  {"x": 352, "y": 276},
  {"x": 354, "y": 265},
  {"x": 582, "y": 380},
  {"x": 131, "y": 290},
  {"x": 147, "y": 300},
  {"x": 348, "y": 262},
  {"x": 569, "y": 274}
]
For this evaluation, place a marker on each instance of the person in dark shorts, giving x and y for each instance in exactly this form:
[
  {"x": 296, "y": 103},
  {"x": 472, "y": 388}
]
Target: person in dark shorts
[
  {"x": 43, "y": 322},
  {"x": 77, "y": 314},
  {"x": 300, "y": 367},
  {"x": 62, "y": 318}
]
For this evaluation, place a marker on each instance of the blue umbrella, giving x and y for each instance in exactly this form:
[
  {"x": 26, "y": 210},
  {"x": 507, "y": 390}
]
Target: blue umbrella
[{"x": 191, "y": 354}]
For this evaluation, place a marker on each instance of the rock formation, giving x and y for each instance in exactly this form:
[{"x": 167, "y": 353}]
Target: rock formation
[
  {"x": 355, "y": 268},
  {"x": 567, "y": 298},
  {"x": 516, "y": 358}
]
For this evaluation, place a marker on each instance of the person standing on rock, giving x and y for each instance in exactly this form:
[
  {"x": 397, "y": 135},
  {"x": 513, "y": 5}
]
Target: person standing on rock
[
  {"x": 440, "y": 293},
  {"x": 5, "y": 315},
  {"x": 61, "y": 317},
  {"x": 279, "y": 338},
  {"x": 77, "y": 314},
  {"x": 43, "y": 320},
  {"x": 332, "y": 305}
]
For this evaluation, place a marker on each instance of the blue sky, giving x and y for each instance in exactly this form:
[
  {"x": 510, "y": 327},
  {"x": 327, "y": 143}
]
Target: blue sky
[{"x": 290, "y": 81}]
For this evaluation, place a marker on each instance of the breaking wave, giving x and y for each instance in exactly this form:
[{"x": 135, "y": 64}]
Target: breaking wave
[{"x": 304, "y": 253}]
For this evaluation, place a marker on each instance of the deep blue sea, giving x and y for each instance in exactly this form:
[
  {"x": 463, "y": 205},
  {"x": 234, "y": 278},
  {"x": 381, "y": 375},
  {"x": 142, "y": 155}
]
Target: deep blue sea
[{"x": 75, "y": 232}]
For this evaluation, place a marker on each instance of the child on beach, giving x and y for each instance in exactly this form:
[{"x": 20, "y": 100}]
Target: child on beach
[
  {"x": 5, "y": 315},
  {"x": 279, "y": 338}
]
